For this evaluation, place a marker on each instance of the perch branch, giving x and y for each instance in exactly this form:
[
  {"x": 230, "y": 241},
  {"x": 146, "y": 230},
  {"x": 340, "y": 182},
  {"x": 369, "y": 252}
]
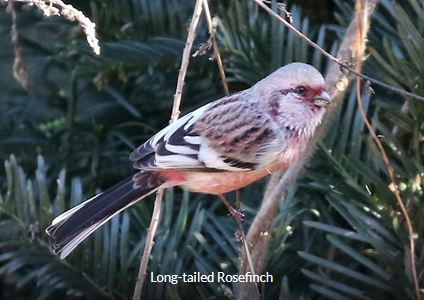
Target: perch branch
[
  {"x": 185, "y": 60},
  {"x": 174, "y": 117}
]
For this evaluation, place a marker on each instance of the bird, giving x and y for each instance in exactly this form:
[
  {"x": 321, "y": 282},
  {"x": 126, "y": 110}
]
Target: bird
[{"x": 219, "y": 147}]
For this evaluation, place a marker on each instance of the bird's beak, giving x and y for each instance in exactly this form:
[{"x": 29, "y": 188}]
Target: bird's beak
[{"x": 322, "y": 99}]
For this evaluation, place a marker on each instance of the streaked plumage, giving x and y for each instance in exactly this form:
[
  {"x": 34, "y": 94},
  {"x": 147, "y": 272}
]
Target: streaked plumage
[{"x": 220, "y": 147}]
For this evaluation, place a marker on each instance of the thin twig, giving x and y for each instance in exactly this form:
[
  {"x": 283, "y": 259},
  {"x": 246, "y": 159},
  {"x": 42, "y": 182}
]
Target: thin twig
[
  {"x": 184, "y": 62},
  {"x": 149, "y": 245},
  {"x": 249, "y": 259},
  {"x": 246, "y": 247},
  {"x": 390, "y": 169},
  {"x": 343, "y": 64},
  {"x": 215, "y": 46},
  {"x": 174, "y": 117},
  {"x": 296, "y": 31}
]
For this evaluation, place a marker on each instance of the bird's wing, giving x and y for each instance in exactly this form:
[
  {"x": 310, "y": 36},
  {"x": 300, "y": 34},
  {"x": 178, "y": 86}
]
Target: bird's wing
[{"x": 226, "y": 135}]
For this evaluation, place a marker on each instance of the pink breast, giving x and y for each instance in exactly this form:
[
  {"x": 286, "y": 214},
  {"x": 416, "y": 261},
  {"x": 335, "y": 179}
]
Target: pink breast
[{"x": 219, "y": 183}]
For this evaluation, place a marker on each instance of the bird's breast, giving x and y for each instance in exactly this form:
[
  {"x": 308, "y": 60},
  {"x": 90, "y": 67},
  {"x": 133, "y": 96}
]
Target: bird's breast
[{"x": 220, "y": 182}]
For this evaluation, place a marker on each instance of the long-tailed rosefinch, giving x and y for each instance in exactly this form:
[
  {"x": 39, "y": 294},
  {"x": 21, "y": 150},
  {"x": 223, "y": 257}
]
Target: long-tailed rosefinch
[{"x": 220, "y": 147}]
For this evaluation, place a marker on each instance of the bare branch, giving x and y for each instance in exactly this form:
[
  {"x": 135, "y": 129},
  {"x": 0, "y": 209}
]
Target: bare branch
[
  {"x": 184, "y": 62},
  {"x": 151, "y": 231},
  {"x": 215, "y": 46},
  {"x": 174, "y": 117},
  {"x": 395, "y": 189}
]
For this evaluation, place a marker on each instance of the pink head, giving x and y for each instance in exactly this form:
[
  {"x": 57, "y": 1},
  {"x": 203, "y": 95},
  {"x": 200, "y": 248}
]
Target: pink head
[{"x": 295, "y": 97}]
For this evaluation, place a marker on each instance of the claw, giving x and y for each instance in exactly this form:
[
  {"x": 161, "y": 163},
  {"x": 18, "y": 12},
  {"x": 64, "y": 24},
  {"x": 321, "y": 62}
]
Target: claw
[{"x": 237, "y": 214}]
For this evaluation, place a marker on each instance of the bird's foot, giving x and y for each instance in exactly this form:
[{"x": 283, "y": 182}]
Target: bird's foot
[{"x": 238, "y": 214}]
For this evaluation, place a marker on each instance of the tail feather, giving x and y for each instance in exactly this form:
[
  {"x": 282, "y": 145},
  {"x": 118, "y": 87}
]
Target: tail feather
[{"x": 72, "y": 227}]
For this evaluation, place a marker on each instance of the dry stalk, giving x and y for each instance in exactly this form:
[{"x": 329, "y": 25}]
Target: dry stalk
[
  {"x": 185, "y": 60},
  {"x": 215, "y": 46},
  {"x": 151, "y": 231},
  {"x": 174, "y": 117},
  {"x": 361, "y": 15}
]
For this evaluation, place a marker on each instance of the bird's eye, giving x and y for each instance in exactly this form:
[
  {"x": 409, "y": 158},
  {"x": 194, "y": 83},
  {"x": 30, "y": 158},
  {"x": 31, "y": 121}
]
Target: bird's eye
[{"x": 301, "y": 90}]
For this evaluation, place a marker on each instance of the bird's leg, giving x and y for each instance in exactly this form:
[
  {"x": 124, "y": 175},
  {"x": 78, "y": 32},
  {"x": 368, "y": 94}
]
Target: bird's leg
[
  {"x": 239, "y": 209},
  {"x": 235, "y": 213}
]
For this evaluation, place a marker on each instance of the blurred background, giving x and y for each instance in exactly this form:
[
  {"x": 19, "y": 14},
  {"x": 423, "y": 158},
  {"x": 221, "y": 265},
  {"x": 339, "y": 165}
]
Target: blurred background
[{"x": 69, "y": 123}]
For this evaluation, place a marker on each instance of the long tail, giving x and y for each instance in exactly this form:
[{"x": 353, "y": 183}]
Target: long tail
[{"x": 73, "y": 226}]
